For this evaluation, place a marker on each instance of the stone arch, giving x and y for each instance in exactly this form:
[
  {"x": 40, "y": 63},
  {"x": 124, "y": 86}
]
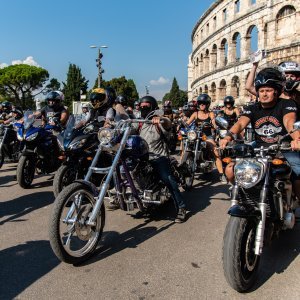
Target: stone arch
[
  {"x": 223, "y": 53},
  {"x": 200, "y": 91},
  {"x": 206, "y": 89},
  {"x": 206, "y": 61},
  {"x": 201, "y": 65},
  {"x": 236, "y": 45},
  {"x": 285, "y": 20},
  {"x": 222, "y": 89},
  {"x": 251, "y": 39},
  {"x": 213, "y": 89},
  {"x": 266, "y": 35},
  {"x": 235, "y": 87},
  {"x": 214, "y": 57}
]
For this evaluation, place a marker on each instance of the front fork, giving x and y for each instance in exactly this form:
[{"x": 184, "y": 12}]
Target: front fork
[{"x": 3, "y": 139}]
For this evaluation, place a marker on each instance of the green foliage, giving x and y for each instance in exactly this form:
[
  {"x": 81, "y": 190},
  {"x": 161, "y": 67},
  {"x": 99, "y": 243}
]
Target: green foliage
[
  {"x": 53, "y": 85},
  {"x": 176, "y": 96},
  {"x": 18, "y": 82},
  {"x": 123, "y": 86},
  {"x": 75, "y": 85}
]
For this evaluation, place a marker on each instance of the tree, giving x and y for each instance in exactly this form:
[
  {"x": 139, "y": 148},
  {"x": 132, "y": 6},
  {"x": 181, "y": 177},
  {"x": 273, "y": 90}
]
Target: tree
[
  {"x": 75, "y": 85},
  {"x": 18, "y": 82},
  {"x": 176, "y": 96},
  {"x": 53, "y": 85},
  {"x": 124, "y": 87}
]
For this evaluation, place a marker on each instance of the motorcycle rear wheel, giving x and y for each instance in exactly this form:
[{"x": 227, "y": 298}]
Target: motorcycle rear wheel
[
  {"x": 240, "y": 264},
  {"x": 74, "y": 242},
  {"x": 26, "y": 171},
  {"x": 64, "y": 176}
]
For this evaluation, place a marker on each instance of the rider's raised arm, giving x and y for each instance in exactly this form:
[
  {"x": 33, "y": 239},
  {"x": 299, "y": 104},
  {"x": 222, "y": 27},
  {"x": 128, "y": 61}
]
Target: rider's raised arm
[{"x": 250, "y": 80}]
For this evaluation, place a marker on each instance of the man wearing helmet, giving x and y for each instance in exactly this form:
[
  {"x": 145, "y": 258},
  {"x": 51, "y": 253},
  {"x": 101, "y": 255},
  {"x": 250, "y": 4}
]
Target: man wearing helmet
[
  {"x": 6, "y": 107},
  {"x": 54, "y": 113},
  {"x": 16, "y": 115},
  {"x": 271, "y": 117},
  {"x": 156, "y": 136}
]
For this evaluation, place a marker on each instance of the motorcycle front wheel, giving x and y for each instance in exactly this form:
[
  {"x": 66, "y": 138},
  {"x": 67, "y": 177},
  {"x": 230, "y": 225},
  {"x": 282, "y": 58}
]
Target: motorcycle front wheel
[
  {"x": 64, "y": 176},
  {"x": 188, "y": 161},
  {"x": 26, "y": 171},
  {"x": 71, "y": 239},
  {"x": 240, "y": 263}
]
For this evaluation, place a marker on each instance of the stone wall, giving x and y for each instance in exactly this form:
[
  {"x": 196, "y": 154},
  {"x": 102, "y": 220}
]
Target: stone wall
[{"x": 228, "y": 32}]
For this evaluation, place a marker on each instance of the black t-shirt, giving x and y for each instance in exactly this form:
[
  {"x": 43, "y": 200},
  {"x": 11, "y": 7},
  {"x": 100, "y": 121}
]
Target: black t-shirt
[
  {"x": 52, "y": 114},
  {"x": 268, "y": 122}
]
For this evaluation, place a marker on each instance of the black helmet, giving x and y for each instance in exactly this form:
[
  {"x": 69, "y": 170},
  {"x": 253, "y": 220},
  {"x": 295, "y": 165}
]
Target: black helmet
[
  {"x": 192, "y": 105},
  {"x": 229, "y": 100},
  {"x": 121, "y": 99},
  {"x": 56, "y": 96},
  {"x": 136, "y": 102},
  {"x": 18, "y": 112},
  {"x": 111, "y": 95},
  {"x": 6, "y": 106},
  {"x": 204, "y": 99},
  {"x": 151, "y": 100},
  {"x": 270, "y": 77}
]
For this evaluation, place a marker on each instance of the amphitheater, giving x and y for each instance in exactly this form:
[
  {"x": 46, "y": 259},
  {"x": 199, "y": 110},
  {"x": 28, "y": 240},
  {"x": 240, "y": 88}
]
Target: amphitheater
[{"x": 226, "y": 35}]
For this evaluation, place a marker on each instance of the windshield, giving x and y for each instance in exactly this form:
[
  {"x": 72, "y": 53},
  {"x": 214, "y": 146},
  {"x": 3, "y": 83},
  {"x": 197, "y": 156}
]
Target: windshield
[
  {"x": 28, "y": 119},
  {"x": 71, "y": 124}
]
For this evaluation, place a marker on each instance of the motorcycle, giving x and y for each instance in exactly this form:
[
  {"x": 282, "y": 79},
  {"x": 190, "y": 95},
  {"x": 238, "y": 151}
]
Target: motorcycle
[
  {"x": 262, "y": 205},
  {"x": 78, "y": 216},
  {"x": 195, "y": 152},
  {"x": 10, "y": 147},
  {"x": 40, "y": 152},
  {"x": 78, "y": 147}
]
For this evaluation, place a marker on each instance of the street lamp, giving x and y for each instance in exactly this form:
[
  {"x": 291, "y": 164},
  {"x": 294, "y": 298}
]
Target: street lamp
[
  {"x": 99, "y": 64},
  {"x": 147, "y": 89}
]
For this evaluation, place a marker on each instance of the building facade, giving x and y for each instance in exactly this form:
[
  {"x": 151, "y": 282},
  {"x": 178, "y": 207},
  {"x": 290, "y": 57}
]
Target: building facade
[{"x": 228, "y": 32}]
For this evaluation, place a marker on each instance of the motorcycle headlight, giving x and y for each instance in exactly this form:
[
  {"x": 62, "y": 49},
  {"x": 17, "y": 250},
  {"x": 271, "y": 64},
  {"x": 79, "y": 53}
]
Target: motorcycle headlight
[
  {"x": 32, "y": 137},
  {"x": 77, "y": 145},
  {"x": 105, "y": 135},
  {"x": 222, "y": 133},
  {"x": 248, "y": 173},
  {"x": 192, "y": 135}
]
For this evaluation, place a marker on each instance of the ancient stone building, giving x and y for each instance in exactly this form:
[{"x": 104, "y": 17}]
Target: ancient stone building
[{"x": 228, "y": 32}]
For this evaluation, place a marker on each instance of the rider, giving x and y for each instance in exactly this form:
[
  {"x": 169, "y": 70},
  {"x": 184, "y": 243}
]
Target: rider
[
  {"x": 54, "y": 113},
  {"x": 16, "y": 115},
  {"x": 271, "y": 117},
  {"x": 6, "y": 107},
  {"x": 207, "y": 116},
  {"x": 156, "y": 135},
  {"x": 85, "y": 107},
  {"x": 122, "y": 100},
  {"x": 229, "y": 112},
  {"x": 136, "y": 111}
]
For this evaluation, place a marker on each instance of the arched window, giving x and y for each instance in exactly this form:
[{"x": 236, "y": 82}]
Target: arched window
[
  {"x": 213, "y": 92},
  {"x": 236, "y": 41},
  {"x": 222, "y": 89},
  {"x": 252, "y": 39},
  {"x": 235, "y": 87},
  {"x": 285, "y": 19},
  {"x": 206, "y": 89},
  {"x": 214, "y": 57},
  {"x": 224, "y": 52}
]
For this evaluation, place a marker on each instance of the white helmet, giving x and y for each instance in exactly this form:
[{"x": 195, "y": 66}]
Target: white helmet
[
  {"x": 85, "y": 105},
  {"x": 290, "y": 67}
]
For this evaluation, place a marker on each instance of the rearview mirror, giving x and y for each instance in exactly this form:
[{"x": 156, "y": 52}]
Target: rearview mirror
[
  {"x": 221, "y": 122},
  {"x": 296, "y": 126}
]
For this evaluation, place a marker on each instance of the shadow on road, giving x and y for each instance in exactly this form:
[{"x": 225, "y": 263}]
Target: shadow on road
[
  {"x": 4, "y": 180},
  {"x": 114, "y": 242},
  {"x": 279, "y": 255},
  {"x": 24, "y": 205},
  {"x": 24, "y": 264}
]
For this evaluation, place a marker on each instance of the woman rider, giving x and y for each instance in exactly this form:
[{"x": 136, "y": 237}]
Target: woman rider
[
  {"x": 229, "y": 113},
  {"x": 205, "y": 115}
]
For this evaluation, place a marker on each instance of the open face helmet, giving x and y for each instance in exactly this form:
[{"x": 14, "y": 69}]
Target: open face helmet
[
  {"x": 291, "y": 68},
  {"x": 204, "y": 99},
  {"x": 229, "y": 100}
]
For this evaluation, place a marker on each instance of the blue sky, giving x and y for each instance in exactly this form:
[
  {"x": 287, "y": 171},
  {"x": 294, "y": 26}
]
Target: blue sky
[{"x": 148, "y": 41}]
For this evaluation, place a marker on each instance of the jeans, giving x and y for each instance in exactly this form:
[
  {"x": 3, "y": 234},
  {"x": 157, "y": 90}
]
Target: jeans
[
  {"x": 163, "y": 168},
  {"x": 293, "y": 158}
]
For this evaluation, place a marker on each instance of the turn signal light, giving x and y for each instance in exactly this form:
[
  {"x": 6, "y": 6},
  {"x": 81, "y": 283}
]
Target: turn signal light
[
  {"x": 89, "y": 158},
  {"x": 227, "y": 160},
  {"x": 277, "y": 161},
  {"x": 179, "y": 137}
]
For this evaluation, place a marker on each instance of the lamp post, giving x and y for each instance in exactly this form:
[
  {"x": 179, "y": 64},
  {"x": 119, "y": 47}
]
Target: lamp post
[
  {"x": 147, "y": 89},
  {"x": 99, "y": 64}
]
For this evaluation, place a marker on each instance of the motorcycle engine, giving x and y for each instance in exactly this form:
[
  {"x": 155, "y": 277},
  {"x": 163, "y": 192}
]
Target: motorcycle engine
[{"x": 144, "y": 176}]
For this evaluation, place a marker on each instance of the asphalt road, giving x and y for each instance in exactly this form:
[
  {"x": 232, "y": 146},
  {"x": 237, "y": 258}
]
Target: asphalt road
[{"x": 152, "y": 258}]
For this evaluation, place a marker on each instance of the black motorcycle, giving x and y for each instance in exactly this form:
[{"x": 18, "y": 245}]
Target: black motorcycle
[
  {"x": 78, "y": 148},
  {"x": 10, "y": 146},
  {"x": 262, "y": 205}
]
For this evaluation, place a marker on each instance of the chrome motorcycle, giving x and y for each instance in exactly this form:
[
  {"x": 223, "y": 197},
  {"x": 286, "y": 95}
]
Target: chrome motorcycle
[
  {"x": 78, "y": 216},
  {"x": 262, "y": 205}
]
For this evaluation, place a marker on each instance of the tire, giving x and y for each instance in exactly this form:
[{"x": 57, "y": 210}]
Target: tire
[
  {"x": 240, "y": 264},
  {"x": 25, "y": 171},
  {"x": 64, "y": 176},
  {"x": 85, "y": 238},
  {"x": 188, "y": 160},
  {"x": 2, "y": 156}
]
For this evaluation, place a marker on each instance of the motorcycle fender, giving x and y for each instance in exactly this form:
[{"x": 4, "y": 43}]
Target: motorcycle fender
[
  {"x": 243, "y": 211},
  {"x": 90, "y": 186}
]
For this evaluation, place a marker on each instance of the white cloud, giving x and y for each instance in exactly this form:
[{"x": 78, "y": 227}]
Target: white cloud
[
  {"x": 28, "y": 61},
  {"x": 161, "y": 81},
  {"x": 3, "y": 65}
]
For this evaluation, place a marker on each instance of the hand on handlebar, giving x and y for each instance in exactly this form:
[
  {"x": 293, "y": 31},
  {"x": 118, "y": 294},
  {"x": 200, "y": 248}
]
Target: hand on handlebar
[
  {"x": 295, "y": 145},
  {"x": 223, "y": 143},
  {"x": 156, "y": 120}
]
